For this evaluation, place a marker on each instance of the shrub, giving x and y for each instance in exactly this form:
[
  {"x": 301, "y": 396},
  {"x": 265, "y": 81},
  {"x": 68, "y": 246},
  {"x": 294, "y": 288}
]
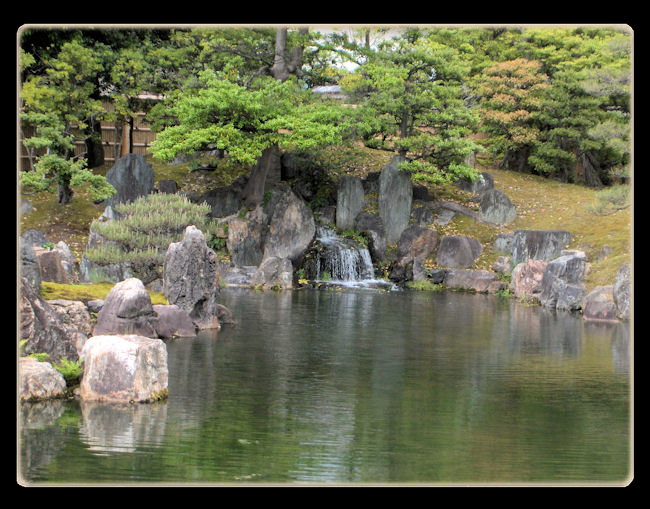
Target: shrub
[{"x": 144, "y": 229}]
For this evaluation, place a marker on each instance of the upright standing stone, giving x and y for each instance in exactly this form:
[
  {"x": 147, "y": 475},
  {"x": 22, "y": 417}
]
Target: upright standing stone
[
  {"x": 190, "y": 278},
  {"x": 395, "y": 199},
  {"x": 132, "y": 177},
  {"x": 350, "y": 201},
  {"x": 621, "y": 291}
]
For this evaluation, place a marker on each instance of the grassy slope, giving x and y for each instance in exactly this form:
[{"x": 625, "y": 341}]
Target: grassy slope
[{"x": 541, "y": 204}]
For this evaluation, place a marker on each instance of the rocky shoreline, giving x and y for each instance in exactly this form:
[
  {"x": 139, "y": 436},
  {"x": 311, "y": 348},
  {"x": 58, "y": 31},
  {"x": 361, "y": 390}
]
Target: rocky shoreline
[{"x": 122, "y": 354}]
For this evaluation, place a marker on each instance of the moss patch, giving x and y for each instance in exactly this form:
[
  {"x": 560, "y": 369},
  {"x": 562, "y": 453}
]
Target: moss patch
[{"x": 87, "y": 292}]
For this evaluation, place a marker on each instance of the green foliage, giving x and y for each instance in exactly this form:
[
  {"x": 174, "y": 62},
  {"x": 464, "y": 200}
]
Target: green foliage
[
  {"x": 411, "y": 90},
  {"x": 425, "y": 286},
  {"x": 611, "y": 199},
  {"x": 246, "y": 120},
  {"x": 145, "y": 228},
  {"x": 71, "y": 370},
  {"x": 39, "y": 356}
]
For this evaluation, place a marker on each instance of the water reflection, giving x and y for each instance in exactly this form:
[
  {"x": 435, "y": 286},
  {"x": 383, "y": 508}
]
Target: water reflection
[
  {"x": 317, "y": 386},
  {"x": 115, "y": 428}
]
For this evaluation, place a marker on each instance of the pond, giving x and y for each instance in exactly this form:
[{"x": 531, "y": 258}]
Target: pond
[{"x": 361, "y": 387}]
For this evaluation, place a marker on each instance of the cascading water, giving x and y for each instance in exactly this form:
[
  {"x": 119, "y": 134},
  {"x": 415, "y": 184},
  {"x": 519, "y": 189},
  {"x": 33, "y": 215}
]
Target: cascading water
[{"x": 344, "y": 261}]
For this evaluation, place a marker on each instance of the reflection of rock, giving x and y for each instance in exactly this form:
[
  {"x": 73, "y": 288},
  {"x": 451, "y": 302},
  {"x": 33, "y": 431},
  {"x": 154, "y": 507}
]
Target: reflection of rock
[{"x": 122, "y": 428}]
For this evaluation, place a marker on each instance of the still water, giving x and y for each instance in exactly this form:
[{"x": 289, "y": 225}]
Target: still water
[{"x": 323, "y": 387}]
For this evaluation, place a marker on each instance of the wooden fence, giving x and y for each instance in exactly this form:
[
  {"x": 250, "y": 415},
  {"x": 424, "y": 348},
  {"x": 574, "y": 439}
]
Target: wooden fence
[{"x": 134, "y": 139}]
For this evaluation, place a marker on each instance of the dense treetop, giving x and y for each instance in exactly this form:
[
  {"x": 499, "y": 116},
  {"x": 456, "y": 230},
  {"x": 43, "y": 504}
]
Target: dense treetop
[{"x": 536, "y": 99}]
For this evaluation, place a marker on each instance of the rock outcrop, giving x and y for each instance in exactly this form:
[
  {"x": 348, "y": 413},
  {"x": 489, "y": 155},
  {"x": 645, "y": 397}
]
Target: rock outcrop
[
  {"x": 124, "y": 368},
  {"x": 191, "y": 279},
  {"x": 395, "y": 199},
  {"x": 39, "y": 380},
  {"x": 458, "y": 251}
]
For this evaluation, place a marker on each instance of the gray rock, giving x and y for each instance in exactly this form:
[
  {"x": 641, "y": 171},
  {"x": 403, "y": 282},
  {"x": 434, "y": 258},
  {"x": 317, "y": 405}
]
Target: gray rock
[
  {"x": 73, "y": 314},
  {"x": 33, "y": 238},
  {"x": 538, "y": 244},
  {"x": 29, "y": 267},
  {"x": 173, "y": 322},
  {"x": 479, "y": 281},
  {"x": 599, "y": 305},
  {"x": 127, "y": 310},
  {"x": 458, "y": 251},
  {"x": 621, "y": 291},
  {"x": 496, "y": 207},
  {"x": 562, "y": 286},
  {"x": 503, "y": 243},
  {"x": 350, "y": 200},
  {"x": 373, "y": 227},
  {"x": 223, "y": 201},
  {"x": 274, "y": 272},
  {"x": 423, "y": 216},
  {"x": 291, "y": 225},
  {"x": 245, "y": 241},
  {"x": 395, "y": 199},
  {"x": 415, "y": 245},
  {"x": 132, "y": 177},
  {"x": 39, "y": 380},
  {"x": 42, "y": 328},
  {"x": 190, "y": 278},
  {"x": 444, "y": 217},
  {"x": 124, "y": 368}
]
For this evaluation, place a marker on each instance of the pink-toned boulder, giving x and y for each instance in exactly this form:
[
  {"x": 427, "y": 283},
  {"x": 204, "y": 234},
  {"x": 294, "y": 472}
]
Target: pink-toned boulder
[
  {"x": 124, "y": 369},
  {"x": 526, "y": 279}
]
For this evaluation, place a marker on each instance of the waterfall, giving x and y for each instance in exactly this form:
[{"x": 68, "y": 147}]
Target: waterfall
[{"x": 343, "y": 261}]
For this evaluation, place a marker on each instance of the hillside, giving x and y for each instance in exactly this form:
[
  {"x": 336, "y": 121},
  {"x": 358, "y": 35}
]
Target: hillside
[{"x": 541, "y": 204}]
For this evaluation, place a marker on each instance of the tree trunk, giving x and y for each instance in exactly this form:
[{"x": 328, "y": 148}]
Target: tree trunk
[
  {"x": 265, "y": 173},
  {"x": 285, "y": 65},
  {"x": 64, "y": 193},
  {"x": 93, "y": 143}
]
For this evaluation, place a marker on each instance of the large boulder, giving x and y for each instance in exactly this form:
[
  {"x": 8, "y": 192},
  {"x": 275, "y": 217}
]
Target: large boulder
[
  {"x": 599, "y": 305},
  {"x": 496, "y": 207},
  {"x": 132, "y": 177},
  {"x": 526, "y": 279},
  {"x": 479, "y": 281},
  {"x": 274, "y": 273},
  {"x": 621, "y": 291},
  {"x": 350, "y": 200},
  {"x": 458, "y": 251},
  {"x": 74, "y": 315},
  {"x": 395, "y": 199},
  {"x": 173, "y": 322},
  {"x": 41, "y": 328},
  {"x": 245, "y": 241},
  {"x": 224, "y": 201},
  {"x": 39, "y": 380},
  {"x": 127, "y": 310},
  {"x": 124, "y": 368},
  {"x": 562, "y": 283},
  {"x": 538, "y": 244},
  {"x": 57, "y": 265},
  {"x": 291, "y": 225},
  {"x": 191, "y": 278},
  {"x": 415, "y": 245}
]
